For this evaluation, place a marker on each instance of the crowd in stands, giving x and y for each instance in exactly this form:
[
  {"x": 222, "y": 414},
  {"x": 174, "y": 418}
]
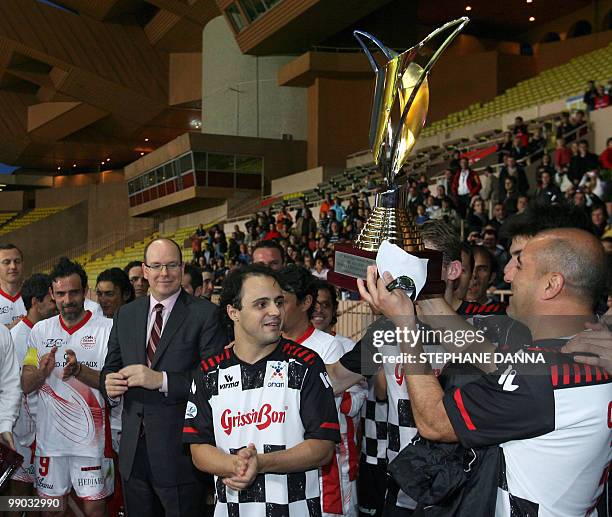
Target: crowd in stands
[
  {"x": 597, "y": 96},
  {"x": 478, "y": 204}
]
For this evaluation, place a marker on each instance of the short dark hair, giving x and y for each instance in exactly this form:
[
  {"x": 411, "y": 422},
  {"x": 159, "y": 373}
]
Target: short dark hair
[
  {"x": 299, "y": 281},
  {"x": 9, "y": 246},
  {"x": 130, "y": 265},
  {"x": 195, "y": 275},
  {"x": 163, "y": 239},
  {"x": 333, "y": 294},
  {"x": 270, "y": 244},
  {"x": 65, "y": 267},
  {"x": 442, "y": 237},
  {"x": 119, "y": 278},
  {"x": 37, "y": 286},
  {"x": 231, "y": 291},
  {"x": 481, "y": 250},
  {"x": 539, "y": 216}
]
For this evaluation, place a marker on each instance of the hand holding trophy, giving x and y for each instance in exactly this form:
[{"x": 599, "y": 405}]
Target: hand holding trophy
[{"x": 399, "y": 111}]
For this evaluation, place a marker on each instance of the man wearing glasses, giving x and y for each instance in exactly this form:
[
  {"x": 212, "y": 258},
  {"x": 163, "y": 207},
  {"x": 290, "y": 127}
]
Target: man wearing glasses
[{"x": 154, "y": 344}]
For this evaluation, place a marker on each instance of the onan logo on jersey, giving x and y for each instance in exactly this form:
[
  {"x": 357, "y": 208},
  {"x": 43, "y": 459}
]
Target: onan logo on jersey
[
  {"x": 229, "y": 382},
  {"x": 88, "y": 342},
  {"x": 277, "y": 378},
  {"x": 5, "y": 310},
  {"x": 191, "y": 411},
  {"x": 51, "y": 342},
  {"x": 262, "y": 418}
]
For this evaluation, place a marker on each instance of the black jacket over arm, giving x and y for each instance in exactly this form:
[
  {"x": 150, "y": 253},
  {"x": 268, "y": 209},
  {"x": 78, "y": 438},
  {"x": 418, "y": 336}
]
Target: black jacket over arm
[{"x": 191, "y": 332}]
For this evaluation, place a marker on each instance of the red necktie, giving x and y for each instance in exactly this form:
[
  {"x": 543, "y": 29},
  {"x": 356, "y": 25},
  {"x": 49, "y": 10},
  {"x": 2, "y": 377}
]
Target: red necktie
[{"x": 155, "y": 334}]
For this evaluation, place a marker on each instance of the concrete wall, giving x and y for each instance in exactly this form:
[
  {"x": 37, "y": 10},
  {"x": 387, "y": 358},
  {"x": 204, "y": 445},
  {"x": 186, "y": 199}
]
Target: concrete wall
[
  {"x": 11, "y": 201},
  {"x": 204, "y": 217},
  {"x": 51, "y": 236},
  {"x": 259, "y": 108},
  {"x": 304, "y": 180}
]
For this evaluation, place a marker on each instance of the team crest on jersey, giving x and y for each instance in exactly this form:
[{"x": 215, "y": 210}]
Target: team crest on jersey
[
  {"x": 5, "y": 310},
  {"x": 277, "y": 379},
  {"x": 191, "y": 411},
  {"x": 88, "y": 342},
  {"x": 51, "y": 342}
]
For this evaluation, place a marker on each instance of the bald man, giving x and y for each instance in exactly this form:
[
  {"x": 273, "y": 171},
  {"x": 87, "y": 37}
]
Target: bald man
[
  {"x": 155, "y": 343},
  {"x": 552, "y": 420}
]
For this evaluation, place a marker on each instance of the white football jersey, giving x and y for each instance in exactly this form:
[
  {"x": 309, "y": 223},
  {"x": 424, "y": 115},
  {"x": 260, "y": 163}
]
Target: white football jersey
[
  {"x": 93, "y": 307},
  {"x": 71, "y": 415},
  {"x": 25, "y": 427},
  {"x": 11, "y": 308},
  {"x": 327, "y": 346}
]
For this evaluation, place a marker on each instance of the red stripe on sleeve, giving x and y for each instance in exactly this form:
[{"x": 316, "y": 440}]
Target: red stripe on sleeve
[
  {"x": 554, "y": 373},
  {"x": 464, "y": 414},
  {"x": 587, "y": 373},
  {"x": 566, "y": 374},
  {"x": 330, "y": 425},
  {"x": 576, "y": 373},
  {"x": 597, "y": 373},
  {"x": 191, "y": 430},
  {"x": 346, "y": 404}
]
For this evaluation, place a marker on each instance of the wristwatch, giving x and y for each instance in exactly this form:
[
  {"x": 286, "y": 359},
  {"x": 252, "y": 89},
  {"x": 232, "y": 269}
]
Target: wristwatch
[{"x": 406, "y": 284}]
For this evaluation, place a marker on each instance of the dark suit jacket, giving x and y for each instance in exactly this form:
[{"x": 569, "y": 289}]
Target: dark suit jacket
[{"x": 192, "y": 332}]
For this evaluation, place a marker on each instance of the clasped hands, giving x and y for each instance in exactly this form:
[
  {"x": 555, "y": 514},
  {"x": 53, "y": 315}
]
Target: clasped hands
[
  {"x": 132, "y": 376},
  {"x": 244, "y": 467},
  {"x": 47, "y": 364}
]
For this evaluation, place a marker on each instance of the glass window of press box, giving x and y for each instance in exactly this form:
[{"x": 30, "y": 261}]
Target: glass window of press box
[{"x": 201, "y": 169}]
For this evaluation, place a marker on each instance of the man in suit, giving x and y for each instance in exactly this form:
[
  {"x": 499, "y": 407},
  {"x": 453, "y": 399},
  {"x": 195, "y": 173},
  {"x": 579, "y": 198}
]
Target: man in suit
[{"x": 155, "y": 343}]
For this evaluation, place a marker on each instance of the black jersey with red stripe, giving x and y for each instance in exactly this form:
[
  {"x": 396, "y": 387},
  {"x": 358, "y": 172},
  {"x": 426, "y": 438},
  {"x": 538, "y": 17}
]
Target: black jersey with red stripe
[
  {"x": 483, "y": 309},
  {"x": 553, "y": 422},
  {"x": 276, "y": 404}
]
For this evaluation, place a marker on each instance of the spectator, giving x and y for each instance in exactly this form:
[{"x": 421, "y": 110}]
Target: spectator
[
  {"x": 272, "y": 233},
  {"x": 562, "y": 181},
  {"x": 477, "y": 218},
  {"x": 431, "y": 209},
  {"x": 490, "y": 185},
  {"x": 562, "y": 154},
  {"x": 339, "y": 210},
  {"x": 455, "y": 162},
  {"x": 421, "y": 215},
  {"x": 243, "y": 255},
  {"x": 579, "y": 121},
  {"x": 192, "y": 281},
  {"x": 589, "y": 96},
  {"x": 510, "y": 195},
  {"x": 548, "y": 192},
  {"x": 582, "y": 163},
  {"x": 605, "y": 158},
  {"x": 283, "y": 219},
  {"x": 602, "y": 99},
  {"x": 489, "y": 241},
  {"x": 499, "y": 216},
  {"x": 334, "y": 233},
  {"x": 537, "y": 145},
  {"x": 521, "y": 204},
  {"x": 134, "y": 272},
  {"x": 547, "y": 164},
  {"x": 518, "y": 151},
  {"x": 565, "y": 127},
  {"x": 240, "y": 236},
  {"x": 518, "y": 173},
  {"x": 449, "y": 215},
  {"x": 305, "y": 224},
  {"x": 520, "y": 131},
  {"x": 593, "y": 183},
  {"x": 113, "y": 289},
  {"x": 504, "y": 147},
  {"x": 446, "y": 182},
  {"x": 466, "y": 184},
  {"x": 208, "y": 283},
  {"x": 413, "y": 199},
  {"x": 364, "y": 200},
  {"x": 320, "y": 269},
  {"x": 598, "y": 218}
]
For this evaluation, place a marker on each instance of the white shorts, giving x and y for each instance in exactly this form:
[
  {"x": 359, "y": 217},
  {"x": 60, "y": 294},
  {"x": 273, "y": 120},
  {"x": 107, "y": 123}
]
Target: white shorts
[
  {"x": 91, "y": 478},
  {"x": 25, "y": 473}
]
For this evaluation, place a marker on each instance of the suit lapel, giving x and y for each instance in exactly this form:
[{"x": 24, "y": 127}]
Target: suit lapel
[{"x": 174, "y": 322}]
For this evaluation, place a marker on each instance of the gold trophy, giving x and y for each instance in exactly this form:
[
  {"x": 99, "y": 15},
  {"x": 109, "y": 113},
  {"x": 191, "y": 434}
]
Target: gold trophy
[{"x": 399, "y": 112}]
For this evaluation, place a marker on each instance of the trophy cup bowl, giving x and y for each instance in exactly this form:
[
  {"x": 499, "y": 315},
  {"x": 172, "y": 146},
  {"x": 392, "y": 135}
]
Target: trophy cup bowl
[{"x": 401, "y": 90}]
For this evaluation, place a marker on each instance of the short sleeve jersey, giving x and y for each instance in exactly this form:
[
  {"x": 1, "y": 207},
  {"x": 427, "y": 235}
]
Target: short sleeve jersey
[
  {"x": 554, "y": 425},
  {"x": 25, "y": 427},
  {"x": 327, "y": 346},
  {"x": 276, "y": 404},
  {"x": 11, "y": 308},
  {"x": 71, "y": 415}
]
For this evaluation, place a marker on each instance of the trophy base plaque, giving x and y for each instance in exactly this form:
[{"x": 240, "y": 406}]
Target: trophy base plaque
[{"x": 351, "y": 263}]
